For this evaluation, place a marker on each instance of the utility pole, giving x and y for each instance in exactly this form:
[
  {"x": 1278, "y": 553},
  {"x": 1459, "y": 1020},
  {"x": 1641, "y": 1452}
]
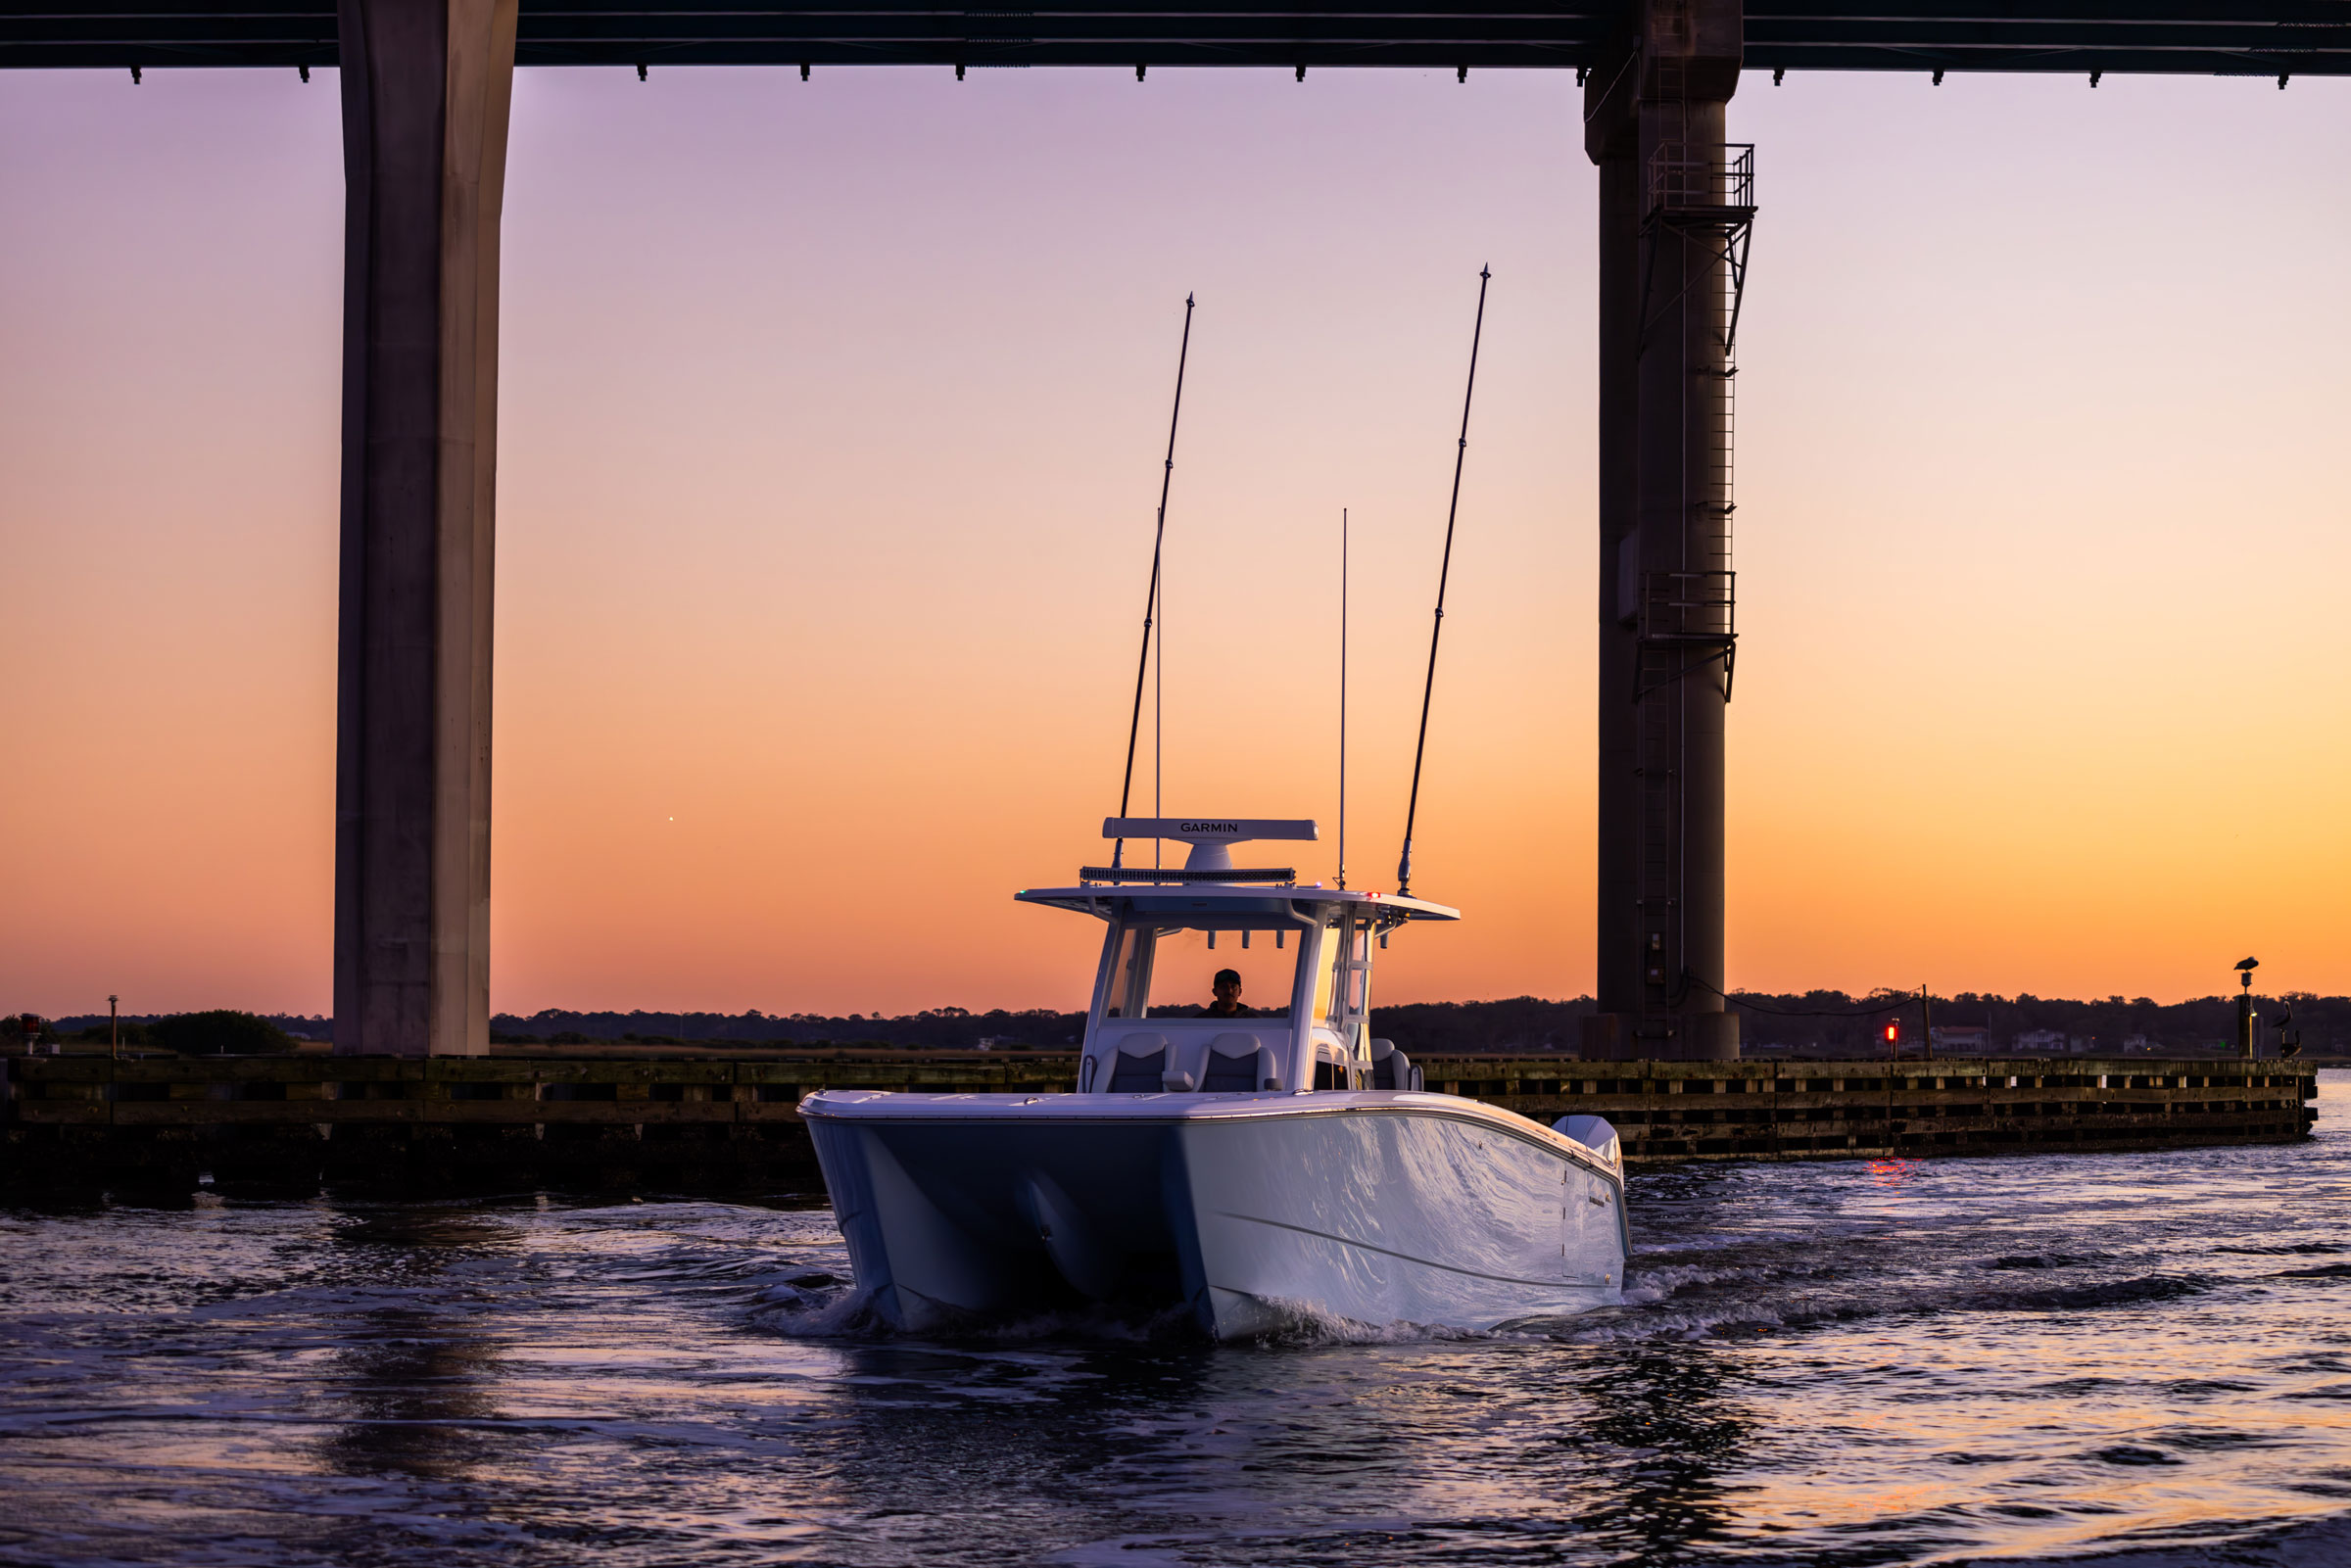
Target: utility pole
[{"x": 114, "y": 1027}]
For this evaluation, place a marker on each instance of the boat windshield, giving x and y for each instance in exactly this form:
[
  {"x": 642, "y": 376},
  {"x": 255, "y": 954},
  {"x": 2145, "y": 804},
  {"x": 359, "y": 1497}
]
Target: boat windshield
[{"x": 1185, "y": 971}]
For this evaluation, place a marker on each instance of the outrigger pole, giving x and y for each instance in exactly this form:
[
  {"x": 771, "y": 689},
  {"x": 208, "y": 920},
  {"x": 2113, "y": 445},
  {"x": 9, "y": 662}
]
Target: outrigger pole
[
  {"x": 1342, "y": 699},
  {"x": 1118, "y": 852},
  {"x": 1404, "y": 866}
]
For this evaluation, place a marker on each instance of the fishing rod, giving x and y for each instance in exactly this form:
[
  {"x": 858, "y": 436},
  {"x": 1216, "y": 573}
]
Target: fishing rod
[
  {"x": 1404, "y": 866},
  {"x": 1118, "y": 853},
  {"x": 1342, "y": 699}
]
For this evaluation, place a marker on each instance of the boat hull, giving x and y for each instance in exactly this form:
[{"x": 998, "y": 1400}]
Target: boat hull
[{"x": 1255, "y": 1211}]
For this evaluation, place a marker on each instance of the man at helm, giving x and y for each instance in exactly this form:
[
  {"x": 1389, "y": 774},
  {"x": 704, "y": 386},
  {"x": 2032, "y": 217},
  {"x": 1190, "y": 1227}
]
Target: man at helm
[{"x": 1228, "y": 1005}]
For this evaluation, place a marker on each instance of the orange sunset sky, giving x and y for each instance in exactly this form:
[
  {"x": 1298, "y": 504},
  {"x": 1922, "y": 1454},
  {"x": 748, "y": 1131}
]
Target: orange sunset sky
[{"x": 831, "y": 428}]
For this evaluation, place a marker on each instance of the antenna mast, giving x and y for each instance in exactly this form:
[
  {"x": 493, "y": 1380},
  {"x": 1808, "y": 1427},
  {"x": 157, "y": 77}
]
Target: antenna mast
[
  {"x": 1404, "y": 864},
  {"x": 1118, "y": 853}
]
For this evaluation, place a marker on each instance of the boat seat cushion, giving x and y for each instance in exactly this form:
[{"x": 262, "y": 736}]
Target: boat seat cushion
[
  {"x": 1391, "y": 1068},
  {"x": 1138, "y": 1065},
  {"x": 1237, "y": 1064}
]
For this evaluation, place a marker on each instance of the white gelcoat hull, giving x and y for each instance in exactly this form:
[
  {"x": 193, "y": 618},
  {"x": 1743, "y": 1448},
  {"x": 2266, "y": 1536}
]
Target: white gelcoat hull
[{"x": 1256, "y": 1210}]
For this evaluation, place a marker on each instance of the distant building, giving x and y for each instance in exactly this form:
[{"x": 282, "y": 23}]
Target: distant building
[
  {"x": 1961, "y": 1039},
  {"x": 2041, "y": 1042}
]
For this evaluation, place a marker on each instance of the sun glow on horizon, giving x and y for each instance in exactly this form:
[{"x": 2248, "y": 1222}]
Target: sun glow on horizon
[{"x": 831, "y": 434}]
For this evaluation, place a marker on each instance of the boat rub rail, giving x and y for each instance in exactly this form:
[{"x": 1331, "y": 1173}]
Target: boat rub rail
[{"x": 1171, "y": 1108}]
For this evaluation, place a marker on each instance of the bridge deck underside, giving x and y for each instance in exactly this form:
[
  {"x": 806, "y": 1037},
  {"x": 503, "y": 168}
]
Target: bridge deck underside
[{"x": 2243, "y": 37}]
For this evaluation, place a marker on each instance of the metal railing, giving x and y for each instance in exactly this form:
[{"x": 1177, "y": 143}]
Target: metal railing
[
  {"x": 1696, "y": 179},
  {"x": 1687, "y": 606}
]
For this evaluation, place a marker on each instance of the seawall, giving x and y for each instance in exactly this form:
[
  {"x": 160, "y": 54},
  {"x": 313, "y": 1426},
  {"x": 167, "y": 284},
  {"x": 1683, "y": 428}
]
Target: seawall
[{"x": 613, "y": 1122}]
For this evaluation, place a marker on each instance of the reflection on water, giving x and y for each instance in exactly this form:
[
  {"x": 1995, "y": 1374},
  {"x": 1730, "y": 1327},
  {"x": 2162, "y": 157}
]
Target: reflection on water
[
  {"x": 417, "y": 1388},
  {"x": 1864, "y": 1363}
]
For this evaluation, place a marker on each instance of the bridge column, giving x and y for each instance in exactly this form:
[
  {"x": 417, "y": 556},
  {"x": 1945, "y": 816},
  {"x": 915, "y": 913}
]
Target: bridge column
[
  {"x": 1674, "y": 216},
  {"x": 426, "y": 86}
]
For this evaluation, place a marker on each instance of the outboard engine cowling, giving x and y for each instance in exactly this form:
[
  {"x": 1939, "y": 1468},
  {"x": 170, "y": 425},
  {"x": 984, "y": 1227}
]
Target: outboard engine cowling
[{"x": 1596, "y": 1133}]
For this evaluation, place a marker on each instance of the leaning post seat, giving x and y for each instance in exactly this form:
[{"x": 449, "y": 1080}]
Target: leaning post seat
[
  {"x": 1238, "y": 1063},
  {"x": 1138, "y": 1065},
  {"x": 1391, "y": 1068}
]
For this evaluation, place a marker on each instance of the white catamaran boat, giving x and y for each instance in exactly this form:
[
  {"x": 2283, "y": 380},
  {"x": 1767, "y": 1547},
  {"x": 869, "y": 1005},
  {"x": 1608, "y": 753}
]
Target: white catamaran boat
[{"x": 1238, "y": 1142}]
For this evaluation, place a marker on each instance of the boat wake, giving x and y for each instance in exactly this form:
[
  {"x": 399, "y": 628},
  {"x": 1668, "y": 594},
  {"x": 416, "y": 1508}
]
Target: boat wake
[
  {"x": 823, "y": 1307},
  {"x": 820, "y": 1306}
]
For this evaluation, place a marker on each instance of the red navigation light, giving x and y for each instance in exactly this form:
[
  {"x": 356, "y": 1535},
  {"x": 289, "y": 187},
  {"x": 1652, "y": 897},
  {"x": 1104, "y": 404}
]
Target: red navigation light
[{"x": 1894, "y": 1032}]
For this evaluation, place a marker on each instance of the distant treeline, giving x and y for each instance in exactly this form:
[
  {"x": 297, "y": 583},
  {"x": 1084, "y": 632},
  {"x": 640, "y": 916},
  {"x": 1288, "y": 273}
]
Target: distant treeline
[
  {"x": 1522, "y": 1023},
  {"x": 1814, "y": 1023},
  {"x": 220, "y": 1031},
  {"x": 1834, "y": 1024},
  {"x": 940, "y": 1028},
  {"x": 1818, "y": 1022},
  {"x": 1824, "y": 1023}
]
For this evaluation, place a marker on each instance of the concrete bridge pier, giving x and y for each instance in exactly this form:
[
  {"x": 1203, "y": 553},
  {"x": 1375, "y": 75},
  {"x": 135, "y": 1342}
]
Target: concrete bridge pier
[
  {"x": 1676, "y": 209},
  {"x": 427, "y": 87}
]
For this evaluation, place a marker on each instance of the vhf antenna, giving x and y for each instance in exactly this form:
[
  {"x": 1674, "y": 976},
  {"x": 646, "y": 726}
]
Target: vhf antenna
[
  {"x": 1118, "y": 853},
  {"x": 1404, "y": 866}
]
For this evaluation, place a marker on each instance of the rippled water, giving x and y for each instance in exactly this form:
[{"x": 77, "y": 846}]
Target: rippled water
[{"x": 1914, "y": 1362}]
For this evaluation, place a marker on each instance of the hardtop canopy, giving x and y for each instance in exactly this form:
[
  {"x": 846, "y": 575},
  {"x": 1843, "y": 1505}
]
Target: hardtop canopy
[{"x": 1223, "y": 905}]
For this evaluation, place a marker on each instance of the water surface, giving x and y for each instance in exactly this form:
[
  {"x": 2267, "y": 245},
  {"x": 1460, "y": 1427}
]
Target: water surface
[{"x": 1833, "y": 1364}]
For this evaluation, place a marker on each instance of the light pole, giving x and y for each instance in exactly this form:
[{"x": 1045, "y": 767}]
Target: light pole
[{"x": 2248, "y": 1042}]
